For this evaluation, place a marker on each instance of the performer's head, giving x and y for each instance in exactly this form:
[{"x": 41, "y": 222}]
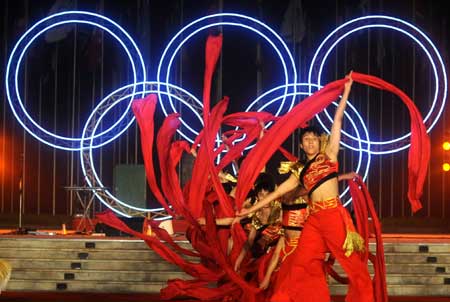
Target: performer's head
[
  {"x": 309, "y": 142},
  {"x": 265, "y": 183}
]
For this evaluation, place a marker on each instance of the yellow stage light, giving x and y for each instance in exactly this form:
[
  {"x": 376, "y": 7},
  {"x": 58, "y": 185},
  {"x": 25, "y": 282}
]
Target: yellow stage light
[
  {"x": 446, "y": 146},
  {"x": 446, "y": 167}
]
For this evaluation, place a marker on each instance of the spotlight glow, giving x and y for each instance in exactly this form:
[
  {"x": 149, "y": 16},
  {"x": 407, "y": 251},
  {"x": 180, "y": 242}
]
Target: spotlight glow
[
  {"x": 446, "y": 167},
  {"x": 446, "y": 146}
]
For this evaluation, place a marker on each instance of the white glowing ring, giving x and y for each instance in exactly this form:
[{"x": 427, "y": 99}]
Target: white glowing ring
[
  {"x": 12, "y": 71},
  {"x": 225, "y": 19},
  {"x": 141, "y": 87},
  {"x": 364, "y": 148},
  {"x": 439, "y": 73},
  {"x": 94, "y": 121}
]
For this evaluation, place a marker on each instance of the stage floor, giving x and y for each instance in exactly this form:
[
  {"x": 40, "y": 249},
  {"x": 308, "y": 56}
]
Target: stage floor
[
  {"x": 58, "y": 234},
  {"x": 20, "y": 296},
  {"x": 87, "y": 297}
]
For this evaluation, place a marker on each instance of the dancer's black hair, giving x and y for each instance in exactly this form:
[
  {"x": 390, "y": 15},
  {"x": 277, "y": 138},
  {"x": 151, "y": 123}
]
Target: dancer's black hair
[{"x": 265, "y": 181}]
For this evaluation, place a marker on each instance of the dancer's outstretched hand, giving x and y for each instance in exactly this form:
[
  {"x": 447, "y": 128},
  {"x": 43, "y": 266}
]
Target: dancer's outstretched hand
[
  {"x": 236, "y": 219},
  {"x": 263, "y": 129},
  {"x": 264, "y": 284},
  {"x": 236, "y": 267},
  {"x": 347, "y": 176},
  {"x": 242, "y": 213},
  {"x": 348, "y": 84}
]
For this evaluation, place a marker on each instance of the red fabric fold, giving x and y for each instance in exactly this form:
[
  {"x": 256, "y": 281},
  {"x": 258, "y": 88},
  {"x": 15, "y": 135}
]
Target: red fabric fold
[
  {"x": 363, "y": 206},
  {"x": 169, "y": 176},
  {"x": 220, "y": 256},
  {"x": 212, "y": 54},
  {"x": 277, "y": 134},
  {"x": 210, "y": 132},
  {"x": 199, "y": 289},
  {"x": 289, "y": 156},
  {"x": 205, "y": 163},
  {"x": 202, "y": 166},
  {"x": 197, "y": 193},
  {"x": 144, "y": 111},
  {"x": 419, "y": 151},
  {"x": 204, "y": 189},
  {"x": 194, "y": 269}
]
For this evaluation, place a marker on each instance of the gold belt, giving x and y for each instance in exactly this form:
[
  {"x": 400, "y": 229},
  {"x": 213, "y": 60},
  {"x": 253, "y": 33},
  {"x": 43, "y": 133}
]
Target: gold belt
[{"x": 329, "y": 203}]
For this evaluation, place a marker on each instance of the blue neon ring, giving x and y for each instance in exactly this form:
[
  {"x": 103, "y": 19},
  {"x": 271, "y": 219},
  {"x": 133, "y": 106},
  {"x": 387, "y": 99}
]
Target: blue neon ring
[
  {"x": 225, "y": 19},
  {"x": 364, "y": 147},
  {"x": 11, "y": 79},
  {"x": 409, "y": 30},
  {"x": 89, "y": 141}
]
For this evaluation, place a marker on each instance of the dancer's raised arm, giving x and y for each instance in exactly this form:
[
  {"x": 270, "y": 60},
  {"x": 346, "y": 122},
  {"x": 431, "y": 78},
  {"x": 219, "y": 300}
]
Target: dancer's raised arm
[{"x": 332, "y": 149}]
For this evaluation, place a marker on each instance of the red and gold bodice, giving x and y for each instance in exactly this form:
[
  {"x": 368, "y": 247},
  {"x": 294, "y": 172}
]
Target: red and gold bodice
[{"x": 320, "y": 169}]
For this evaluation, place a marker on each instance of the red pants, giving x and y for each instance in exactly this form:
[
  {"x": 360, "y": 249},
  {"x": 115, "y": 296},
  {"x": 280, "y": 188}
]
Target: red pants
[
  {"x": 280, "y": 287},
  {"x": 324, "y": 232}
]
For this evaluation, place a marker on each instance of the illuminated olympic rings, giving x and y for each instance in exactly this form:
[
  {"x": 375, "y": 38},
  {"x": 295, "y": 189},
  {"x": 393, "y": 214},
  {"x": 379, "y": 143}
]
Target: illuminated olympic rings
[{"x": 283, "y": 95}]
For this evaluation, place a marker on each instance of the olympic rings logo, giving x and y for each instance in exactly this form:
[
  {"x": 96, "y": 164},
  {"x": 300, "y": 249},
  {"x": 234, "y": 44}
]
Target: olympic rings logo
[{"x": 284, "y": 95}]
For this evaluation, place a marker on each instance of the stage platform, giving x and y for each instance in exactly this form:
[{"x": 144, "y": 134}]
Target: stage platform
[{"x": 78, "y": 267}]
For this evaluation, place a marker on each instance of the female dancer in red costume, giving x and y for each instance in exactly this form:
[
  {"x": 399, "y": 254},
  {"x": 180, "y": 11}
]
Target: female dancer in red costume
[
  {"x": 329, "y": 226},
  {"x": 190, "y": 204},
  {"x": 264, "y": 227},
  {"x": 294, "y": 215}
]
